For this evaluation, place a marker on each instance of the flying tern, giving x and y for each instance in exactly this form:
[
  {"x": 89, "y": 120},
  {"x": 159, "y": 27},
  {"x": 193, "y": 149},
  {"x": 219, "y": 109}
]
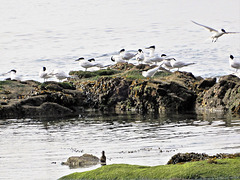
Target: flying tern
[{"x": 216, "y": 34}]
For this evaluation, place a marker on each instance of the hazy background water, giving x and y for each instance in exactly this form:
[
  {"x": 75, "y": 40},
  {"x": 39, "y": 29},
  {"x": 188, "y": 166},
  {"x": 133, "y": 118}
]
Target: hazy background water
[
  {"x": 54, "y": 33},
  {"x": 35, "y": 148}
]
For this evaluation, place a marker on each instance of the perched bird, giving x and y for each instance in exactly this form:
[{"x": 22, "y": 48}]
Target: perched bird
[
  {"x": 167, "y": 64},
  {"x": 233, "y": 63},
  {"x": 60, "y": 75},
  {"x": 126, "y": 55},
  {"x": 13, "y": 75},
  {"x": 179, "y": 64},
  {"x": 103, "y": 158},
  {"x": 86, "y": 63},
  {"x": 117, "y": 59},
  {"x": 150, "y": 73},
  {"x": 43, "y": 73},
  {"x": 98, "y": 64},
  {"x": 152, "y": 51},
  {"x": 216, "y": 34},
  {"x": 140, "y": 56},
  {"x": 155, "y": 58}
]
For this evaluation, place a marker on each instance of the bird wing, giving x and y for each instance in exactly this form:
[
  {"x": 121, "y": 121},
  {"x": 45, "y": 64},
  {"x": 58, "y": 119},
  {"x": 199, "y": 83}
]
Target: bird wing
[
  {"x": 209, "y": 28},
  {"x": 232, "y": 32}
]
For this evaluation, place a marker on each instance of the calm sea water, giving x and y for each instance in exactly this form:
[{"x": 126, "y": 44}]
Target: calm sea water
[
  {"x": 54, "y": 33},
  {"x": 35, "y": 148}
]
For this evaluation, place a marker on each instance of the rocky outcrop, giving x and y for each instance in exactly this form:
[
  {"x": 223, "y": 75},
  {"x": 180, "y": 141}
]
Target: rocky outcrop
[
  {"x": 82, "y": 161},
  {"x": 49, "y": 99},
  {"x": 141, "y": 95},
  {"x": 178, "y": 91},
  {"x": 223, "y": 95}
]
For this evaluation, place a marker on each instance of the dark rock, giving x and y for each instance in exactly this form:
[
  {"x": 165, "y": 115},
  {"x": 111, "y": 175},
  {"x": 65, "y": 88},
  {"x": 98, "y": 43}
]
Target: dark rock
[
  {"x": 224, "y": 95},
  {"x": 47, "y": 109},
  {"x": 206, "y": 83},
  {"x": 187, "y": 157}
]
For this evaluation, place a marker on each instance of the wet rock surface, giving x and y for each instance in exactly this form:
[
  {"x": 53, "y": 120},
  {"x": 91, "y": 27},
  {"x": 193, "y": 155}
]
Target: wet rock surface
[
  {"x": 187, "y": 157},
  {"x": 82, "y": 161},
  {"x": 223, "y": 95},
  {"x": 178, "y": 91}
]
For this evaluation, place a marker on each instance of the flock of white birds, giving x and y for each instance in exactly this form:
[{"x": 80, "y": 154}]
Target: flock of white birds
[{"x": 141, "y": 57}]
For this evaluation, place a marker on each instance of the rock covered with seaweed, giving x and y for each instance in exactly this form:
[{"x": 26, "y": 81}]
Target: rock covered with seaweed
[{"x": 120, "y": 88}]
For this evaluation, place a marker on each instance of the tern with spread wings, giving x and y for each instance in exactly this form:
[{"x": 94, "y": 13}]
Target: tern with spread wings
[{"x": 216, "y": 34}]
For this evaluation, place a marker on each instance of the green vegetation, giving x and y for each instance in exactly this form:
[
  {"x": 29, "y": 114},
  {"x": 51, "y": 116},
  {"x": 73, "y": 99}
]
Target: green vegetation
[
  {"x": 128, "y": 74},
  {"x": 222, "y": 168},
  {"x": 90, "y": 74},
  {"x": 3, "y": 83}
]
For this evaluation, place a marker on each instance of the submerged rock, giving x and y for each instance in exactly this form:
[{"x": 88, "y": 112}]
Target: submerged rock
[{"x": 82, "y": 161}]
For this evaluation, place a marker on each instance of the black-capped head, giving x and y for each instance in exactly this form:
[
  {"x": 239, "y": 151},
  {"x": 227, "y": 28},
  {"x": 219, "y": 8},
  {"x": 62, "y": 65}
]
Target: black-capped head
[
  {"x": 223, "y": 30},
  {"x": 122, "y": 50},
  {"x": 151, "y": 47},
  {"x": 44, "y": 68},
  {"x": 79, "y": 59},
  {"x": 140, "y": 50},
  {"x": 163, "y": 55},
  {"x": 112, "y": 59},
  {"x": 92, "y": 59},
  {"x": 231, "y": 57},
  {"x": 13, "y": 70}
]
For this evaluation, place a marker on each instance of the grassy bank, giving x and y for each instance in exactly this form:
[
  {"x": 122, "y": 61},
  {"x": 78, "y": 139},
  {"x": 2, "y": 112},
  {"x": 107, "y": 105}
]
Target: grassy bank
[{"x": 222, "y": 168}]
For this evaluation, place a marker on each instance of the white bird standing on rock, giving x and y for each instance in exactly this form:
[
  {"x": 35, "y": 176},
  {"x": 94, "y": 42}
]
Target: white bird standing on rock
[
  {"x": 13, "y": 75},
  {"x": 126, "y": 55},
  {"x": 140, "y": 56},
  {"x": 60, "y": 75},
  {"x": 167, "y": 64},
  {"x": 117, "y": 59},
  {"x": 98, "y": 64},
  {"x": 151, "y": 72},
  {"x": 43, "y": 73},
  {"x": 216, "y": 34},
  {"x": 86, "y": 63},
  {"x": 233, "y": 63},
  {"x": 179, "y": 64},
  {"x": 155, "y": 58}
]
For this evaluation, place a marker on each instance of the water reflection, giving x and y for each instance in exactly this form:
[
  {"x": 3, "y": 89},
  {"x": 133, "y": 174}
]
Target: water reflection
[{"x": 126, "y": 138}]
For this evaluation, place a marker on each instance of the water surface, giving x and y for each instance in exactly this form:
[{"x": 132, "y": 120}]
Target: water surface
[
  {"x": 55, "y": 33},
  {"x": 36, "y": 147}
]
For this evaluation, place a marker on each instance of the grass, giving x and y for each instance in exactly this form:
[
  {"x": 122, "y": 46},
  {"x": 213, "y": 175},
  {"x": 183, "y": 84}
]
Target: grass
[{"x": 223, "y": 168}]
